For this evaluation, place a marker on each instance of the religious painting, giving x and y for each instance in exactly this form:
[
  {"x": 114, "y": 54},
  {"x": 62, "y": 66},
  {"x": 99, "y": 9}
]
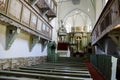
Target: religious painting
[
  {"x": 47, "y": 29},
  {"x": 14, "y": 9},
  {"x": 43, "y": 27},
  {"x": 3, "y": 6},
  {"x": 25, "y": 16},
  {"x": 39, "y": 24},
  {"x": 50, "y": 33},
  {"x": 33, "y": 21}
]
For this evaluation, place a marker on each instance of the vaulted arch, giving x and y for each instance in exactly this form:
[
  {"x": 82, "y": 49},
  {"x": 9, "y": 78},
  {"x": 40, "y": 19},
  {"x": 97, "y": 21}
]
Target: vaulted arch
[{"x": 77, "y": 17}]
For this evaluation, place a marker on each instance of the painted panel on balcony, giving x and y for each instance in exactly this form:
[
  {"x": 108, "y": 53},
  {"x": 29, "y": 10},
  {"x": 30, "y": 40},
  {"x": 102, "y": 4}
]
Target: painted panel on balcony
[
  {"x": 25, "y": 16},
  {"x": 115, "y": 10},
  {"x": 47, "y": 29},
  {"x": 3, "y": 6},
  {"x": 14, "y": 9},
  {"x": 39, "y": 25},
  {"x": 33, "y": 21},
  {"x": 43, "y": 27},
  {"x": 50, "y": 33}
]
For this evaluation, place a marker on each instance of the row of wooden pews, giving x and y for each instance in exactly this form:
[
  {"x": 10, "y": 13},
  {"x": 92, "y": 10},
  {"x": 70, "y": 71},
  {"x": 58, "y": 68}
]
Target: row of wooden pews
[{"x": 48, "y": 71}]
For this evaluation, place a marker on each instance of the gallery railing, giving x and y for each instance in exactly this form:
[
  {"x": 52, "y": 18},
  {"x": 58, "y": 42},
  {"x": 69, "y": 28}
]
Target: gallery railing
[
  {"x": 105, "y": 64},
  {"x": 21, "y": 14},
  {"x": 107, "y": 21}
]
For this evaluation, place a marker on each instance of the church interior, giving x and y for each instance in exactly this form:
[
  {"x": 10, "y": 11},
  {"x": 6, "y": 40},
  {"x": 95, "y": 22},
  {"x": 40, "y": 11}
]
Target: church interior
[{"x": 60, "y": 39}]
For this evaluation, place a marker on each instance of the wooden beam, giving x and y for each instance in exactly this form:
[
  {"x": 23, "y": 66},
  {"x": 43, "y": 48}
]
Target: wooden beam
[
  {"x": 115, "y": 38},
  {"x": 33, "y": 41},
  {"x": 11, "y": 34},
  {"x": 101, "y": 46},
  {"x": 43, "y": 7},
  {"x": 44, "y": 43}
]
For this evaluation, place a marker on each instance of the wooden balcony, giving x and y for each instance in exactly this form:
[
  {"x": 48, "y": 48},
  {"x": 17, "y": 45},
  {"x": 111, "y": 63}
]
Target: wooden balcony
[
  {"x": 21, "y": 14},
  {"x": 108, "y": 22},
  {"x": 48, "y": 7}
]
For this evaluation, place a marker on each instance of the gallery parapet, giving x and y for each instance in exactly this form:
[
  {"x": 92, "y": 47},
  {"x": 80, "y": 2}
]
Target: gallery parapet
[
  {"x": 47, "y": 7},
  {"x": 21, "y": 14},
  {"x": 108, "y": 19}
]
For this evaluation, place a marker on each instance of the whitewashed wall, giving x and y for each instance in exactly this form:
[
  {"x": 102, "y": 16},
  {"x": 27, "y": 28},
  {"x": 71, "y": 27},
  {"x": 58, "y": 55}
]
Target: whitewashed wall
[
  {"x": 100, "y": 4},
  {"x": 54, "y": 23},
  {"x": 99, "y": 7},
  {"x": 20, "y": 47}
]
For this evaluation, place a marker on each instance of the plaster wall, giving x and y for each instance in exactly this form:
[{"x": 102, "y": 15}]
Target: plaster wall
[
  {"x": 20, "y": 46},
  {"x": 99, "y": 7},
  {"x": 54, "y": 23}
]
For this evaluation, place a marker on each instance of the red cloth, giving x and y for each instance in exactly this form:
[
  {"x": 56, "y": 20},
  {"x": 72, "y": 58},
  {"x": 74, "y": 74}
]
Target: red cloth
[
  {"x": 62, "y": 46},
  {"x": 93, "y": 71}
]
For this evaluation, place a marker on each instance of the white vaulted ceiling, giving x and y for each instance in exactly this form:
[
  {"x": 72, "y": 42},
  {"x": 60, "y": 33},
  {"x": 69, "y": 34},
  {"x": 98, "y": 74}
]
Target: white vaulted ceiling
[
  {"x": 77, "y": 18},
  {"x": 79, "y": 12},
  {"x": 76, "y": 13}
]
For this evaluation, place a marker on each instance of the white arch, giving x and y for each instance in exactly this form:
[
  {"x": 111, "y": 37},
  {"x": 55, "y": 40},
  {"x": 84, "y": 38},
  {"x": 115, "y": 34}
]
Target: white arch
[
  {"x": 75, "y": 10},
  {"x": 69, "y": 14}
]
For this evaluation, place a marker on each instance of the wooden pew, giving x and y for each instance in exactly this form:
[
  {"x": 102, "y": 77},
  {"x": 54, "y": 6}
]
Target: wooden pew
[
  {"x": 7, "y": 78},
  {"x": 63, "y": 64},
  {"x": 55, "y": 73},
  {"x": 60, "y": 68},
  {"x": 48, "y": 63},
  {"x": 15, "y": 78},
  {"x": 40, "y": 76},
  {"x": 66, "y": 63},
  {"x": 53, "y": 70}
]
